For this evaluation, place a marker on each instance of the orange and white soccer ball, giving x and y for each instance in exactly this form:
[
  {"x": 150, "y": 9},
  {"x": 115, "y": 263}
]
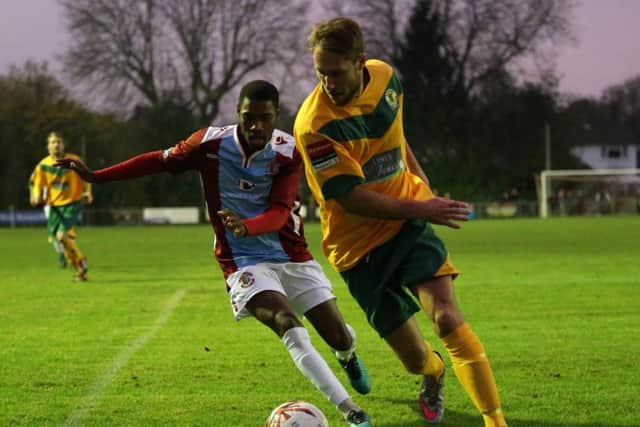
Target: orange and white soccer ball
[{"x": 296, "y": 413}]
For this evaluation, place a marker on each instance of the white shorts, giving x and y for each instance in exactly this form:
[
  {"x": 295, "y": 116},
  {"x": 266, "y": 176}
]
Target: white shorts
[{"x": 303, "y": 283}]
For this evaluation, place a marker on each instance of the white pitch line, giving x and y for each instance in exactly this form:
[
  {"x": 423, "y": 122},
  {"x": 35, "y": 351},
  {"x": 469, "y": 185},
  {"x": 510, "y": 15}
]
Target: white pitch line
[{"x": 103, "y": 381}]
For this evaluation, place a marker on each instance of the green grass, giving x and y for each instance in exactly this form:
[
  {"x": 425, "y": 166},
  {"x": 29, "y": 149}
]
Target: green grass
[{"x": 556, "y": 304}]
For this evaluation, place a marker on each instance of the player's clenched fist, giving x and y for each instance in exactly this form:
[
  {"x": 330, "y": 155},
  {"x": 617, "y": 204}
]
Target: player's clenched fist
[{"x": 232, "y": 221}]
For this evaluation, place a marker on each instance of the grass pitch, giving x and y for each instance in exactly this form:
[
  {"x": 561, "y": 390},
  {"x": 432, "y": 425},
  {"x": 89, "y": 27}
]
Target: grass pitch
[{"x": 150, "y": 340}]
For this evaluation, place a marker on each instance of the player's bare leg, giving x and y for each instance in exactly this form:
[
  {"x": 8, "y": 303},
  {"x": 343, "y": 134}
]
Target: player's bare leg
[
  {"x": 418, "y": 358},
  {"x": 467, "y": 354},
  {"x": 273, "y": 310},
  {"x": 328, "y": 321}
]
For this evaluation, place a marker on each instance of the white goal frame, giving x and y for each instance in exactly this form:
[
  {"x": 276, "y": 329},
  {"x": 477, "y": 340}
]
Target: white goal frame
[{"x": 546, "y": 174}]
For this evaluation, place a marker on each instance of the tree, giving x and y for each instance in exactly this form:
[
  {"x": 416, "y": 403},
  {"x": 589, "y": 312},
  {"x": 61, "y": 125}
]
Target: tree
[
  {"x": 487, "y": 36},
  {"x": 381, "y": 22},
  {"x": 475, "y": 142},
  {"x": 432, "y": 95},
  {"x": 623, "y": 101},
  {"x": 191, "y": 53},
  {"x": 480, "y": 36},
  {"x": 34, "y": 104}
]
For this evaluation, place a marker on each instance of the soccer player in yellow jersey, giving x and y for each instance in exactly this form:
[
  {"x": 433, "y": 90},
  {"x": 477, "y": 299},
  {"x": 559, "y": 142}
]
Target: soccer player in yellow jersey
[
  {"x": 375, "y": 209},
  {"x": 61, "y": 191}
]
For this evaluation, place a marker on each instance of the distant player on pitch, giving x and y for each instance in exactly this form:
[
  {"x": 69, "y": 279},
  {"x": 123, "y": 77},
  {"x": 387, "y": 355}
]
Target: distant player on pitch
[
  {"x": 62, "y": 193},
  {"x": 250, "y": 176}
]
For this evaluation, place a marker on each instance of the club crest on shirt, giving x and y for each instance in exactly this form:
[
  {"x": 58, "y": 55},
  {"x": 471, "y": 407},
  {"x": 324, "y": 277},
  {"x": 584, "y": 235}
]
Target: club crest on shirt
[
  {"x": 280, "y": 140},
  {"x": 392, "y": 98},
  {"x": 245, "y": 185},
  {"x": 246, "y": 279},
  {"x": 322, "y": 154}
]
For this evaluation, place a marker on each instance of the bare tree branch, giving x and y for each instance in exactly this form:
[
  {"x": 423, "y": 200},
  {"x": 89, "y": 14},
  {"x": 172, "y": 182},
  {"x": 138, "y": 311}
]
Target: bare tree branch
[
  {"x": 482, "y": 36},
  {"x": 190, "y": 52}
]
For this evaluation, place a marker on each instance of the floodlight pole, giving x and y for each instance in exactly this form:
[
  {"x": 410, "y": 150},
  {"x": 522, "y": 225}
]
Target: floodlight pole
[{"x": 547, "y": 146}]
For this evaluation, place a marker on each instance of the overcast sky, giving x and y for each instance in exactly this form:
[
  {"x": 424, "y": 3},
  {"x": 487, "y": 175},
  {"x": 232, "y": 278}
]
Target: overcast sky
[{"x": 607, "y": 51}]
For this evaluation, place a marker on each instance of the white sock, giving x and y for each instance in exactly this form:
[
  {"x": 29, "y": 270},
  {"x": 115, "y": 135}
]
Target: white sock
[
  {"x": 58, "y": 246},
  {"x": 345, "y": 355},
  {"x": 312, "y": 365}
]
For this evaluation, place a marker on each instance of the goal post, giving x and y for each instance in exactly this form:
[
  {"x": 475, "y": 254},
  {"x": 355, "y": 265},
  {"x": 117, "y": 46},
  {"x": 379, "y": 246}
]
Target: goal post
[{"x": 625, "y": 177}]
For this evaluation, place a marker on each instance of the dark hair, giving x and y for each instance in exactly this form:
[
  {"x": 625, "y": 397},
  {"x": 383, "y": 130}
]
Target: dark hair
[
  {"x": 339, "y": 35},
  {"x": 260, "y": 90}
]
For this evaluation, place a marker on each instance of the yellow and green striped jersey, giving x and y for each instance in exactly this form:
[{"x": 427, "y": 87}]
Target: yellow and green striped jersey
[
  {"x": 361, "y": 143},
  {"x": 56, "y": 186}
]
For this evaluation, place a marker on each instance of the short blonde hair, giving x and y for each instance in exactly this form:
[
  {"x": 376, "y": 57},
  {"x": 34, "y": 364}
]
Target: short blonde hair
[
  {"x": 338, "y": 35},
  {"x": 54, "y": 134}
]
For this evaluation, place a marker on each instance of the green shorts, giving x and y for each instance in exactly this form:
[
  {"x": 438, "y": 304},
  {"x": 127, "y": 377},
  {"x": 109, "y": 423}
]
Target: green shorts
[
  {"x": 380, "y": 280},
  {"x": 62, "y": 218}
]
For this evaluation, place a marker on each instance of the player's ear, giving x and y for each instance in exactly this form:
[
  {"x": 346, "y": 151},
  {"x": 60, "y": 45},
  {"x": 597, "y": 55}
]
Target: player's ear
[{"x": 363, "y": 59}]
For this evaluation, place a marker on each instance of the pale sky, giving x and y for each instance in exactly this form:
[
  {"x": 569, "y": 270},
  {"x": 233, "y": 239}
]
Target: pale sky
[{"x": 607, "y": 51}]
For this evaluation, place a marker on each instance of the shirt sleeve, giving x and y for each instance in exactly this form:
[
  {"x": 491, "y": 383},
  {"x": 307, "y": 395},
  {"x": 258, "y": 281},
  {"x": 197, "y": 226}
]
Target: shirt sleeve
[
  {"x": 286, "y": 183},
  {"x": 273, "y": 219},
  {"x": 36, "y": 184},
  {"x": 333, "y": 168},
  {"x": 185, "y": 155},
  {"x": 284, "y": 193},
  {"x": 141, "y": 165}
]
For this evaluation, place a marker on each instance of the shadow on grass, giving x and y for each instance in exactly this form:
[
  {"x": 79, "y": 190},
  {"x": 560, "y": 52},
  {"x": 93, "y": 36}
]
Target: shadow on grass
[{"x": 453, "y": 418}]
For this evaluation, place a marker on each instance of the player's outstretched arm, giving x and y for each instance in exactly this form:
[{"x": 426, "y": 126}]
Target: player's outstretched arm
[
  {"x": 141, "y": 165},
  {"x": 78, "y": 166},
  {"x": 273, "y": 219},
  {"x": 437, "y": 210}
]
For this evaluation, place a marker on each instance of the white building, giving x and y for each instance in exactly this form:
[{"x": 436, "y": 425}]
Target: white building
[{"x": 609, "y": 156}]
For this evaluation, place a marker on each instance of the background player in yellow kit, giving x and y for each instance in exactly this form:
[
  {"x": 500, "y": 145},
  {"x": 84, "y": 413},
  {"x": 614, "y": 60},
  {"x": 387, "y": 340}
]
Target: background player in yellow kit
[
  {"x": 375, "y": 209},
  {"x": 62, "y": 192}
]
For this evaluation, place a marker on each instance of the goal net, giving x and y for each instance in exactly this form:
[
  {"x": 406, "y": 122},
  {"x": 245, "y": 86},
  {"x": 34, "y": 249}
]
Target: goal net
[{"x": 589, "y": 192}]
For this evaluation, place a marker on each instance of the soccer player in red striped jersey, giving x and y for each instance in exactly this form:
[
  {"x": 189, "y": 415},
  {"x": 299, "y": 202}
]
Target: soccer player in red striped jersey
[{"x": 250, "y": 175}]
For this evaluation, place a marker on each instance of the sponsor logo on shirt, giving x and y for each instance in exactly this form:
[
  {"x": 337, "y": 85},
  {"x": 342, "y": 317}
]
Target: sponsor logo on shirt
[
  {"x": 383, "y": 165},
  {"x": 245, "y": 185},
  {"x": 322, "y": 154}
]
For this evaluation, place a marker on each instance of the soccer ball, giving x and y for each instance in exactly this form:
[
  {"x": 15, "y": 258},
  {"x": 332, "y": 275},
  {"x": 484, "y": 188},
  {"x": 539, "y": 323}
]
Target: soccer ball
[{"x": 296, "y": 413}]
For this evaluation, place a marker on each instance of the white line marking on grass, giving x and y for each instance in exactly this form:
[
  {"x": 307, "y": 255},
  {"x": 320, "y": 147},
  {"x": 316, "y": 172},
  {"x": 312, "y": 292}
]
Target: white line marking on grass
[{"x": 104, "y": 380}]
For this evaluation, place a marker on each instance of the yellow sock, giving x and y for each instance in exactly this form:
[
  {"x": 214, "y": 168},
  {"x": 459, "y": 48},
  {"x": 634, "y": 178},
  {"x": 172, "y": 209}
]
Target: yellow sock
[
  {"x": 434, "y": 365},
  {"x": 73, "y": 253},
  {"x": 473, "y": 370},
  {"x": 494, "y": 419}
]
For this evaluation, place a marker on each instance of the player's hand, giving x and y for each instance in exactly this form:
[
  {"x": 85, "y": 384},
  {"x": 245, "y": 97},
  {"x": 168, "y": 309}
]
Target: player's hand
[
  {"x": 78, "y": 166},
  {"x": 35, "y": 201},
  {"x": 88, "y": 197},
  {"x": 445, "y": 211},
  {"x": 233, "y": 222}
]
